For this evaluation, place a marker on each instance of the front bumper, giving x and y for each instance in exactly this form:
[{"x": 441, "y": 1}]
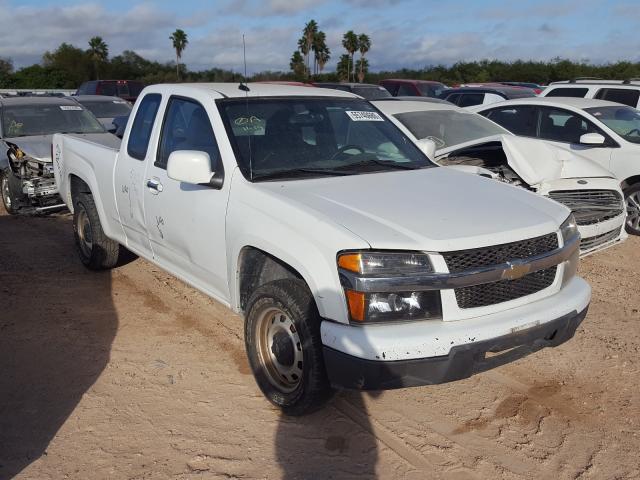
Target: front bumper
[{"x": 348, "y": 371}]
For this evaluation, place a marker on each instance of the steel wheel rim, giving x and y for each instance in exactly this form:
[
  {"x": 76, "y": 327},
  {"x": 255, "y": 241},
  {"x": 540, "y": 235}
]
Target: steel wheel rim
[
  {"x": 279, "y": 349},
  {"x": 6, "y": 192},
  {"x": 633, "y": 211},
  {"x": 85, "y": 237}
]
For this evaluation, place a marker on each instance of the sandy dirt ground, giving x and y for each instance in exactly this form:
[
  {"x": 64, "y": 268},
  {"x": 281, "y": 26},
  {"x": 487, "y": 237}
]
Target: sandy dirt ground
[{"x": 131, "y": 374}]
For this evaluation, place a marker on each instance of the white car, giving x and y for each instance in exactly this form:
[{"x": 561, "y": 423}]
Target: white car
[
  {"x": 605, "y": 132},
  {"x": 468, "y": 141},
  {"x": 354, "y": 259},
  {"x": 626, "y": 92}
]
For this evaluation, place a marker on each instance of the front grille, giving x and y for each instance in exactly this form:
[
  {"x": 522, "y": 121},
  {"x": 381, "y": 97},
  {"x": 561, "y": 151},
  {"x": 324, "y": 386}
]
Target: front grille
[
  {"x": 462, "y": 260},
  {"x": 590, "y": 206},
  {"x": 597, "y": 240},
  {"x": 504, "y": 290}
]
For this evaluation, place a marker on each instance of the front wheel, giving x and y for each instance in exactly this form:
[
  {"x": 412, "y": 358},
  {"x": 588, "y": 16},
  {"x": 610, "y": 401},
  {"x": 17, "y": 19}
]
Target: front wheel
[
  {"x": 282, "y": 337},
  {"x": 96, "y": 250},
  {"x": 632, "y": 200},
  {"x": 10, "y": 190}
]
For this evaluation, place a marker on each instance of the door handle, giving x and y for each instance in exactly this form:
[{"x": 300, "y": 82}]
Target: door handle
[{"x": 154, "y": 185}]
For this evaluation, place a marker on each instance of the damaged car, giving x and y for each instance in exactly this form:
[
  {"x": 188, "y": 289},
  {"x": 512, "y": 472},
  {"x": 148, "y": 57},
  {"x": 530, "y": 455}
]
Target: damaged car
[
  {"x": 469, "y": 142},
  {"x": 27, "y": 183}
]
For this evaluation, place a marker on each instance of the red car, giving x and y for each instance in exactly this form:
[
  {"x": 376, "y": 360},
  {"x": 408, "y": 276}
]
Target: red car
[
  {"x": 413, "y": 88},
  {"x": 125, "y": 89}
]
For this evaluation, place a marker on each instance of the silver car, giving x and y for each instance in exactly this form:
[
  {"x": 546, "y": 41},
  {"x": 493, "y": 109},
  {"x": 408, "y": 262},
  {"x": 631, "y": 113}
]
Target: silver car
[
  {"x": 27, "y": 124},
  {"x": 105, "y": 108}
]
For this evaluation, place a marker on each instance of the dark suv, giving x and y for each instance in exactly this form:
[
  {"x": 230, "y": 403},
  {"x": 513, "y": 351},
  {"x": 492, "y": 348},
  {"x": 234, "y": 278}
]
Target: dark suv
[
  {"x": 413, "y": 88},
  {"x": 126, "y": 89}
]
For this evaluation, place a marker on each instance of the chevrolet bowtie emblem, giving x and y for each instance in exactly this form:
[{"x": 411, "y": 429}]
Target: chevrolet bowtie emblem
[{"x": 516, "y": 271}]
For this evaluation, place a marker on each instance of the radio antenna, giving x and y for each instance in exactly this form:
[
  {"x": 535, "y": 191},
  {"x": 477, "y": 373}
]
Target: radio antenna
[{"x": 242, "y": 85}]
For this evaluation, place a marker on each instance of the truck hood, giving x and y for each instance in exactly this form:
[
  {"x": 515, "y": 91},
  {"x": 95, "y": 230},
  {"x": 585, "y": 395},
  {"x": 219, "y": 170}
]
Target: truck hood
[
  {"x": 435, "y": 209},
  {"x": 537, "y": 161}
]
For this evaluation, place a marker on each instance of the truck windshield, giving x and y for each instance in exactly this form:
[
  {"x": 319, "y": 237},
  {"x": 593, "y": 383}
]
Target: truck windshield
[
  {"x": 310, "y": 137},
  {"x": 448, "y": 127},
  {"x": 110, "y": 109},
  {"x": 47, "y": 119},
  {"x": 625, "y": 121}
]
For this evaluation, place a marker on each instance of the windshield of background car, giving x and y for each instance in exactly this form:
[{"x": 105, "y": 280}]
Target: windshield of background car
[
  {"x": 294, "y": 137},
  {"x": 372, "y": 93},
  {"x": 28, "y": 120},
  {"x": 448, "y": 127},
  {"x": 431, "y": 90},
  {"x": 110, "y": 109},
  {"x": 625, "y": 121}
]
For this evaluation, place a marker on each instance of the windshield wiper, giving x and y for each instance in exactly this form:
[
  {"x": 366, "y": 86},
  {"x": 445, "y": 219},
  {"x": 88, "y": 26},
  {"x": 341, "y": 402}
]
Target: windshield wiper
[
  {"x": 299, "y": 172},
  {"x": 383, "y": 163}
]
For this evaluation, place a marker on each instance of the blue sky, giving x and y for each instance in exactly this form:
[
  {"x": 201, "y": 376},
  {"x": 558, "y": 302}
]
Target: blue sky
[{"x": 409, "y": 33}]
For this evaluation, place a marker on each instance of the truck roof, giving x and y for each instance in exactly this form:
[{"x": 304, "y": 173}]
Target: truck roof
[{"x": 232, "y": 90}]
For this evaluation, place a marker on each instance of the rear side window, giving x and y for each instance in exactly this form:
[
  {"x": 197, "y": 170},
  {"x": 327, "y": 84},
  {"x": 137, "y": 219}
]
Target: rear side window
[
  {"x": 406, "y": 91},
  {"x": 186, "y": 127},
  {"x": 567, "y": 92},
  {"x": 142, "y": 126},
  {"x": 625, "y": 96},
  {"x": 391, "y": 87},
  {"x": 453, "y": 98},
  {"x": 471, "y": 99},
  {"x": 520, "y": 120},
  {"x": 564, "y": 126}
]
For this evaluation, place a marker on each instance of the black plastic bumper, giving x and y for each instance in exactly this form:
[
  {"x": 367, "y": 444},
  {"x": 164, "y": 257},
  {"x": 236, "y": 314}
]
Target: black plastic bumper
[{"x": 347, "y": 371}]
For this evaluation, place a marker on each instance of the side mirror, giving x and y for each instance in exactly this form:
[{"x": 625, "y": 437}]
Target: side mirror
[
  {"x": 190, "y": 166},
  {"x": 428, "y": 147},
  {"x": 592, "y": 139}
]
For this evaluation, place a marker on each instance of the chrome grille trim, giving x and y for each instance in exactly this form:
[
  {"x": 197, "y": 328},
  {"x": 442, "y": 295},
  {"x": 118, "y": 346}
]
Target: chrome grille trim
[
  {"x": 597, "y": 240},
  {"x": 590, "y": 206}
]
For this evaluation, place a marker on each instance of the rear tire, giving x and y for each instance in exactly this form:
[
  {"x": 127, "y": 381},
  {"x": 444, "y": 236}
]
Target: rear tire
[
  {"x": 96, "y": 250},
  {"x": 11, "y": 190},
  {"x": 282, "y": 338},
  {"x": 632, "y": 202}
]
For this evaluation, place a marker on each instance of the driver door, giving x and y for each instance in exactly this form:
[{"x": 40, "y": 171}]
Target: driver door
[{"x": 186, "y": 223}]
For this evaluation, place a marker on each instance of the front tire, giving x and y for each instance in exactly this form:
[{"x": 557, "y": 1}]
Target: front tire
[
  {"x": 10, "y": 188},
  {"x": 282, "y": 338},
  {"x": 96, "y": 250},
  {"x": 632, "y": 201}
]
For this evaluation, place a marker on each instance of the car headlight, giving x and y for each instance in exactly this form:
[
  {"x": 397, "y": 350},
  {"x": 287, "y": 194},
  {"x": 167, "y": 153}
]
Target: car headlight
[
  {"x": 569, "y": 231},
  {"x": 569, "y": 228},
  {"x": 388, "y": 306}
]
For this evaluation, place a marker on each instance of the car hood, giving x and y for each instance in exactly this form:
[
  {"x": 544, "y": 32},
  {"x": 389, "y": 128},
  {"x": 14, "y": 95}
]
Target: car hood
[
  {"x": 37, "y": 146},
  {"x": 537, "y": 161},
  {"x": 435, "y": 209}
]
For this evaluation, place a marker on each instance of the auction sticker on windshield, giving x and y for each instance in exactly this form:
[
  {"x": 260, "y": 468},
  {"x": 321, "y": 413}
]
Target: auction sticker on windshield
[
  {"x": 364, "y": 116},
  {"x": 69, "y": 107}
]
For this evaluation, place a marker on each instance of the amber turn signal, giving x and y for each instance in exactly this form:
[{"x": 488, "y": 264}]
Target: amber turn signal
[
  {"x": 356, "y": 301},
  {"x": 351, "y": 262}
]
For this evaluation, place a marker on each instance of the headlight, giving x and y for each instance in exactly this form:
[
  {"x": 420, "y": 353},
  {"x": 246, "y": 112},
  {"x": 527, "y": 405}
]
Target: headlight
[
  {"x": 569, "y": 228},
  {"x": 388, "y": 306}
]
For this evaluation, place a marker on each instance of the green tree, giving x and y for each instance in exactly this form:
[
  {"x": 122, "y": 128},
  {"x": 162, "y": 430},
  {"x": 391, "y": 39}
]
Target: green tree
[
  {"x": 308, "y": 34},
  {"x": 6, "y": 71},
  {"x": 72, "y": 62},
  {"x": 362, "y": 66},
  {"x": 364, "y": 45},
  {"x": 98, "y": 53},
  {"x": 297, "y": 65},
  {"x": 321, "y": 53},
  {"x": 344, "y": 67},
  {"x": 350, "y": 44},
  {"x": 179, "y": 40}
]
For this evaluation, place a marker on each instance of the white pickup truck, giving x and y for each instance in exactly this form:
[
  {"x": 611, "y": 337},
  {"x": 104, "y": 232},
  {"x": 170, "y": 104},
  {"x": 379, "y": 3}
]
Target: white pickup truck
[{"x": 355, "y": 261}]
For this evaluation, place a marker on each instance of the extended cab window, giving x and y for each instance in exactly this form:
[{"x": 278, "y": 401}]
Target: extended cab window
[
  {"x": 186, "y": 127},
  {"x": 521, "y": 120},
  {"x": 471, "y": 99},
  {"x": 143, "y": 125},
  {"x": 625, "y": 96},
  {"x": 567, "y": 92}
]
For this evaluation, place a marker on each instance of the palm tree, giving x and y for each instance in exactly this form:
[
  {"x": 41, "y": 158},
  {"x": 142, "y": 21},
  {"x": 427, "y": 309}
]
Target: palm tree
[
  {"x": 324, "y": 55},
  {"x": 308, "y": 33},
  {"x": 319, "y": 45},
  {"x": 344, "y": 67},
  {"x": 364, "y": 45},
  {"x": 180, "y": 41},
  {"x": 297, "y": 65},
  {"x": 350, "y": 43},
  {"x": 98, "y": 53}
]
